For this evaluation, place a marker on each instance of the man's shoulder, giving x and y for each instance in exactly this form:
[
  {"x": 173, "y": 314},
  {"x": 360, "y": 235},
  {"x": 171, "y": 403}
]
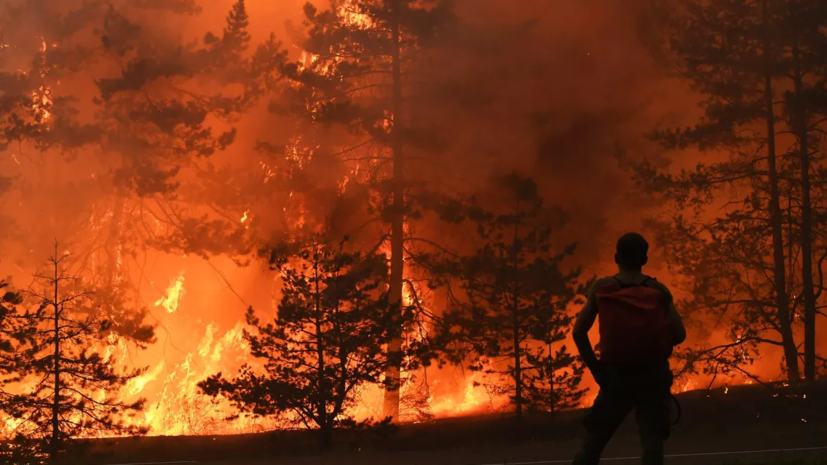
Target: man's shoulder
[
  {"x": 655, "y": 284},
  {"x": 601, "y": 283},
  {"x": 608, "y": 281}
]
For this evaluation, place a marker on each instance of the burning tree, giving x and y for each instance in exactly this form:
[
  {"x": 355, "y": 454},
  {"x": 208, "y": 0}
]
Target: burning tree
[
  {"x": 326, "y": 342},
  {"x": 160, "y": 108},
  {"x": 17, "y": 328},
  {"x": 75, "y": 378},
  {"x": 741, "y": 264},
  {"x": 513, "y": 306},
  {"x": 357, "y": 77}
]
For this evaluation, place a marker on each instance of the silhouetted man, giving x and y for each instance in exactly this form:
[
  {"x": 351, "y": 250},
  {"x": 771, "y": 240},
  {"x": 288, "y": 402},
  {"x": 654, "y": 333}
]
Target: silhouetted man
[{"x": 639, "y": 326}]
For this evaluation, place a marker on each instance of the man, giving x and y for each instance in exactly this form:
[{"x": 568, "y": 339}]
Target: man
[{"x": 639, "y": 326}]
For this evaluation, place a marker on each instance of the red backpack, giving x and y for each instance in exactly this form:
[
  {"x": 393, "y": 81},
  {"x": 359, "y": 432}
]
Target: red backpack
[{"x": 633, "y": 323}]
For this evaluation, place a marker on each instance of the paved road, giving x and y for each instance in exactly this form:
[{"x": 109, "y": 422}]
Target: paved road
[
  {"x": 801, "y": 455},
  {"x": 749, "y": 456}
]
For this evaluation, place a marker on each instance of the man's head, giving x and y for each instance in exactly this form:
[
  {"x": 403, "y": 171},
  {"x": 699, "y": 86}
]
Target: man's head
[{"x": 632, "y": 251}]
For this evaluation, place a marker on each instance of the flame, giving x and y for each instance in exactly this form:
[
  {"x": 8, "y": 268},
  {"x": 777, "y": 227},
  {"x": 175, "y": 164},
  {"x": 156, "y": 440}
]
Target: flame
[
  {"x": 246, "y": 216},
  {"x": 688, "y": 385},
  {"x": 352, "y": 16},
  {"x": 42, "y": 96},
  {"x": 474, "y": 399},
  {"x": 175, "y": 292},
  {"x": 178, "y": 407},
  {"x": 137, "y": 385}
]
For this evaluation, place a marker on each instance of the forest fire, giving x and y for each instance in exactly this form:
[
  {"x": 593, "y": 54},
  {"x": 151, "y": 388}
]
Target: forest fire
[{"x": 233, "y": 217}]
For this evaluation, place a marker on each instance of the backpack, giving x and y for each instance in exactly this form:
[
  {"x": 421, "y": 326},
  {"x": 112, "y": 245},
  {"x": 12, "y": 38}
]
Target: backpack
[{"x": 633, "y": 324}]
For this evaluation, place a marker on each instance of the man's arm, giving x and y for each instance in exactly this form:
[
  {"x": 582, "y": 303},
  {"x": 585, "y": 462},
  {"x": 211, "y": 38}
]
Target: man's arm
[
  {"x": 673, "y": 318},
  {"x": 585, "y": 321},
  {"x": 676, "y": 324}
]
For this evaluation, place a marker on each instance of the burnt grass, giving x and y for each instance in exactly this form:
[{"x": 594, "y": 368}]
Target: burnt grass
[{"x": 754, "y": 417}]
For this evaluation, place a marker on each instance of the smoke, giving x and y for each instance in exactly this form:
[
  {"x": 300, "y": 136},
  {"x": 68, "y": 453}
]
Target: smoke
[{"x": 558, "y": 90}]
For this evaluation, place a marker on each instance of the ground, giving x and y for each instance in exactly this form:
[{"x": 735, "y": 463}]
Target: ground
[{"x": 758, "y": 424}]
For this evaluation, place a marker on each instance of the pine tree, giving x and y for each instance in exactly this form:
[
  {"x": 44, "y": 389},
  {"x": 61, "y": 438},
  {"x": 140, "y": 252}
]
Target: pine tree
[
  {"x": 325, "y": 343},
  {"x": 803, "y": 45},
  {"x": 76, "y": 382},
  {"x": 760, "y": 66},
  {"x": 17, "y": 332},
  {"x": 159, "y": 114},
  {"x": 512, "y": 309},
  {"x": 235, "y": 33},
  {"x": 737, "y": 262},
  {"x": 554, "y": 383},
  {"x": 361, "y": 54}
]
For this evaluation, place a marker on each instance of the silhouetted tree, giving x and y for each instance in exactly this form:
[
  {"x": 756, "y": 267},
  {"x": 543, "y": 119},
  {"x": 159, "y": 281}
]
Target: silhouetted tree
[
  {"x": 76, "y": 381},
  {"x": 325, "y": 343},
  {"x": 17, "y": 330},
  {"x": 802, "y": 45},
  {"x": 740, "y": 263},
  {"x": 512, "y": 305},
  {"x": 162, "y": 107},
  {"x": 554, "y": 382},
  {"x": 357, "y": 75}
]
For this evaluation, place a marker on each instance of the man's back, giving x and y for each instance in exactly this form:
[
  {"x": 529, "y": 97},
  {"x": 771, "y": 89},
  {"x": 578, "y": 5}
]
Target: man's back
[
  {"x": 638, "y": 327},
  {"x": 634, "y": 329}
]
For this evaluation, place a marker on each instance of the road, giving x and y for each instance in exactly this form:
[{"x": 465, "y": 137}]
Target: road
[{"x": 798, "y": 455}]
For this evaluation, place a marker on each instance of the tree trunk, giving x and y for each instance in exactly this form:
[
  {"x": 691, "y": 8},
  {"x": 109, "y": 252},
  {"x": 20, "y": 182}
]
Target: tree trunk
[
  {"x": 113, "y": 243},
  {"x": 551, "y": 397},
  {"x": 779, "y": 267},
  {"x": 808, "y": 292},
  {"x": 321, "y": 405},
  {"x": 392, "y": 374},
  {"x": 515, "y": 310},
  {"x": 54, "y": 445},
  {"x": 518, "y": 375},
  {"x": 326, "y": 436}
]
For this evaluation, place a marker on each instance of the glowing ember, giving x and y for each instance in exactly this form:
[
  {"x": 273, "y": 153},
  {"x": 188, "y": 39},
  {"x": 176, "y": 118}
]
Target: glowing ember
[{"x": 175, "y": 292}]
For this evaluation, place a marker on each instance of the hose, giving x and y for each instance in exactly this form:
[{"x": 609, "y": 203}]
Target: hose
[{"x": 680, "y": 410}]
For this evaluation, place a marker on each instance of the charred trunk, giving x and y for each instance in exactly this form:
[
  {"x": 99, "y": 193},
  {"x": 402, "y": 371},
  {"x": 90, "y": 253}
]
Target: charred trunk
[
  {"x": 518, "y": 372},
  {"x": 392, "y": 374},
  {"x": 776, "y": 220},
  {"x": 321, "y": 406},
  {"x": 515, "y": 310},
  {"x": 113, "y": 242},
  {"x": 54, "y": 443},
  {"x": 801, "y": 124},
  {"x": 326, "y": 436}
]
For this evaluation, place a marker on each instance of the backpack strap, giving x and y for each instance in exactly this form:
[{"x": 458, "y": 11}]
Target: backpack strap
[{"x": 630, "y": 285}]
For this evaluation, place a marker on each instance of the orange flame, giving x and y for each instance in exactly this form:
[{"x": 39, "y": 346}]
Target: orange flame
[{"x": 175, "y": 292}]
